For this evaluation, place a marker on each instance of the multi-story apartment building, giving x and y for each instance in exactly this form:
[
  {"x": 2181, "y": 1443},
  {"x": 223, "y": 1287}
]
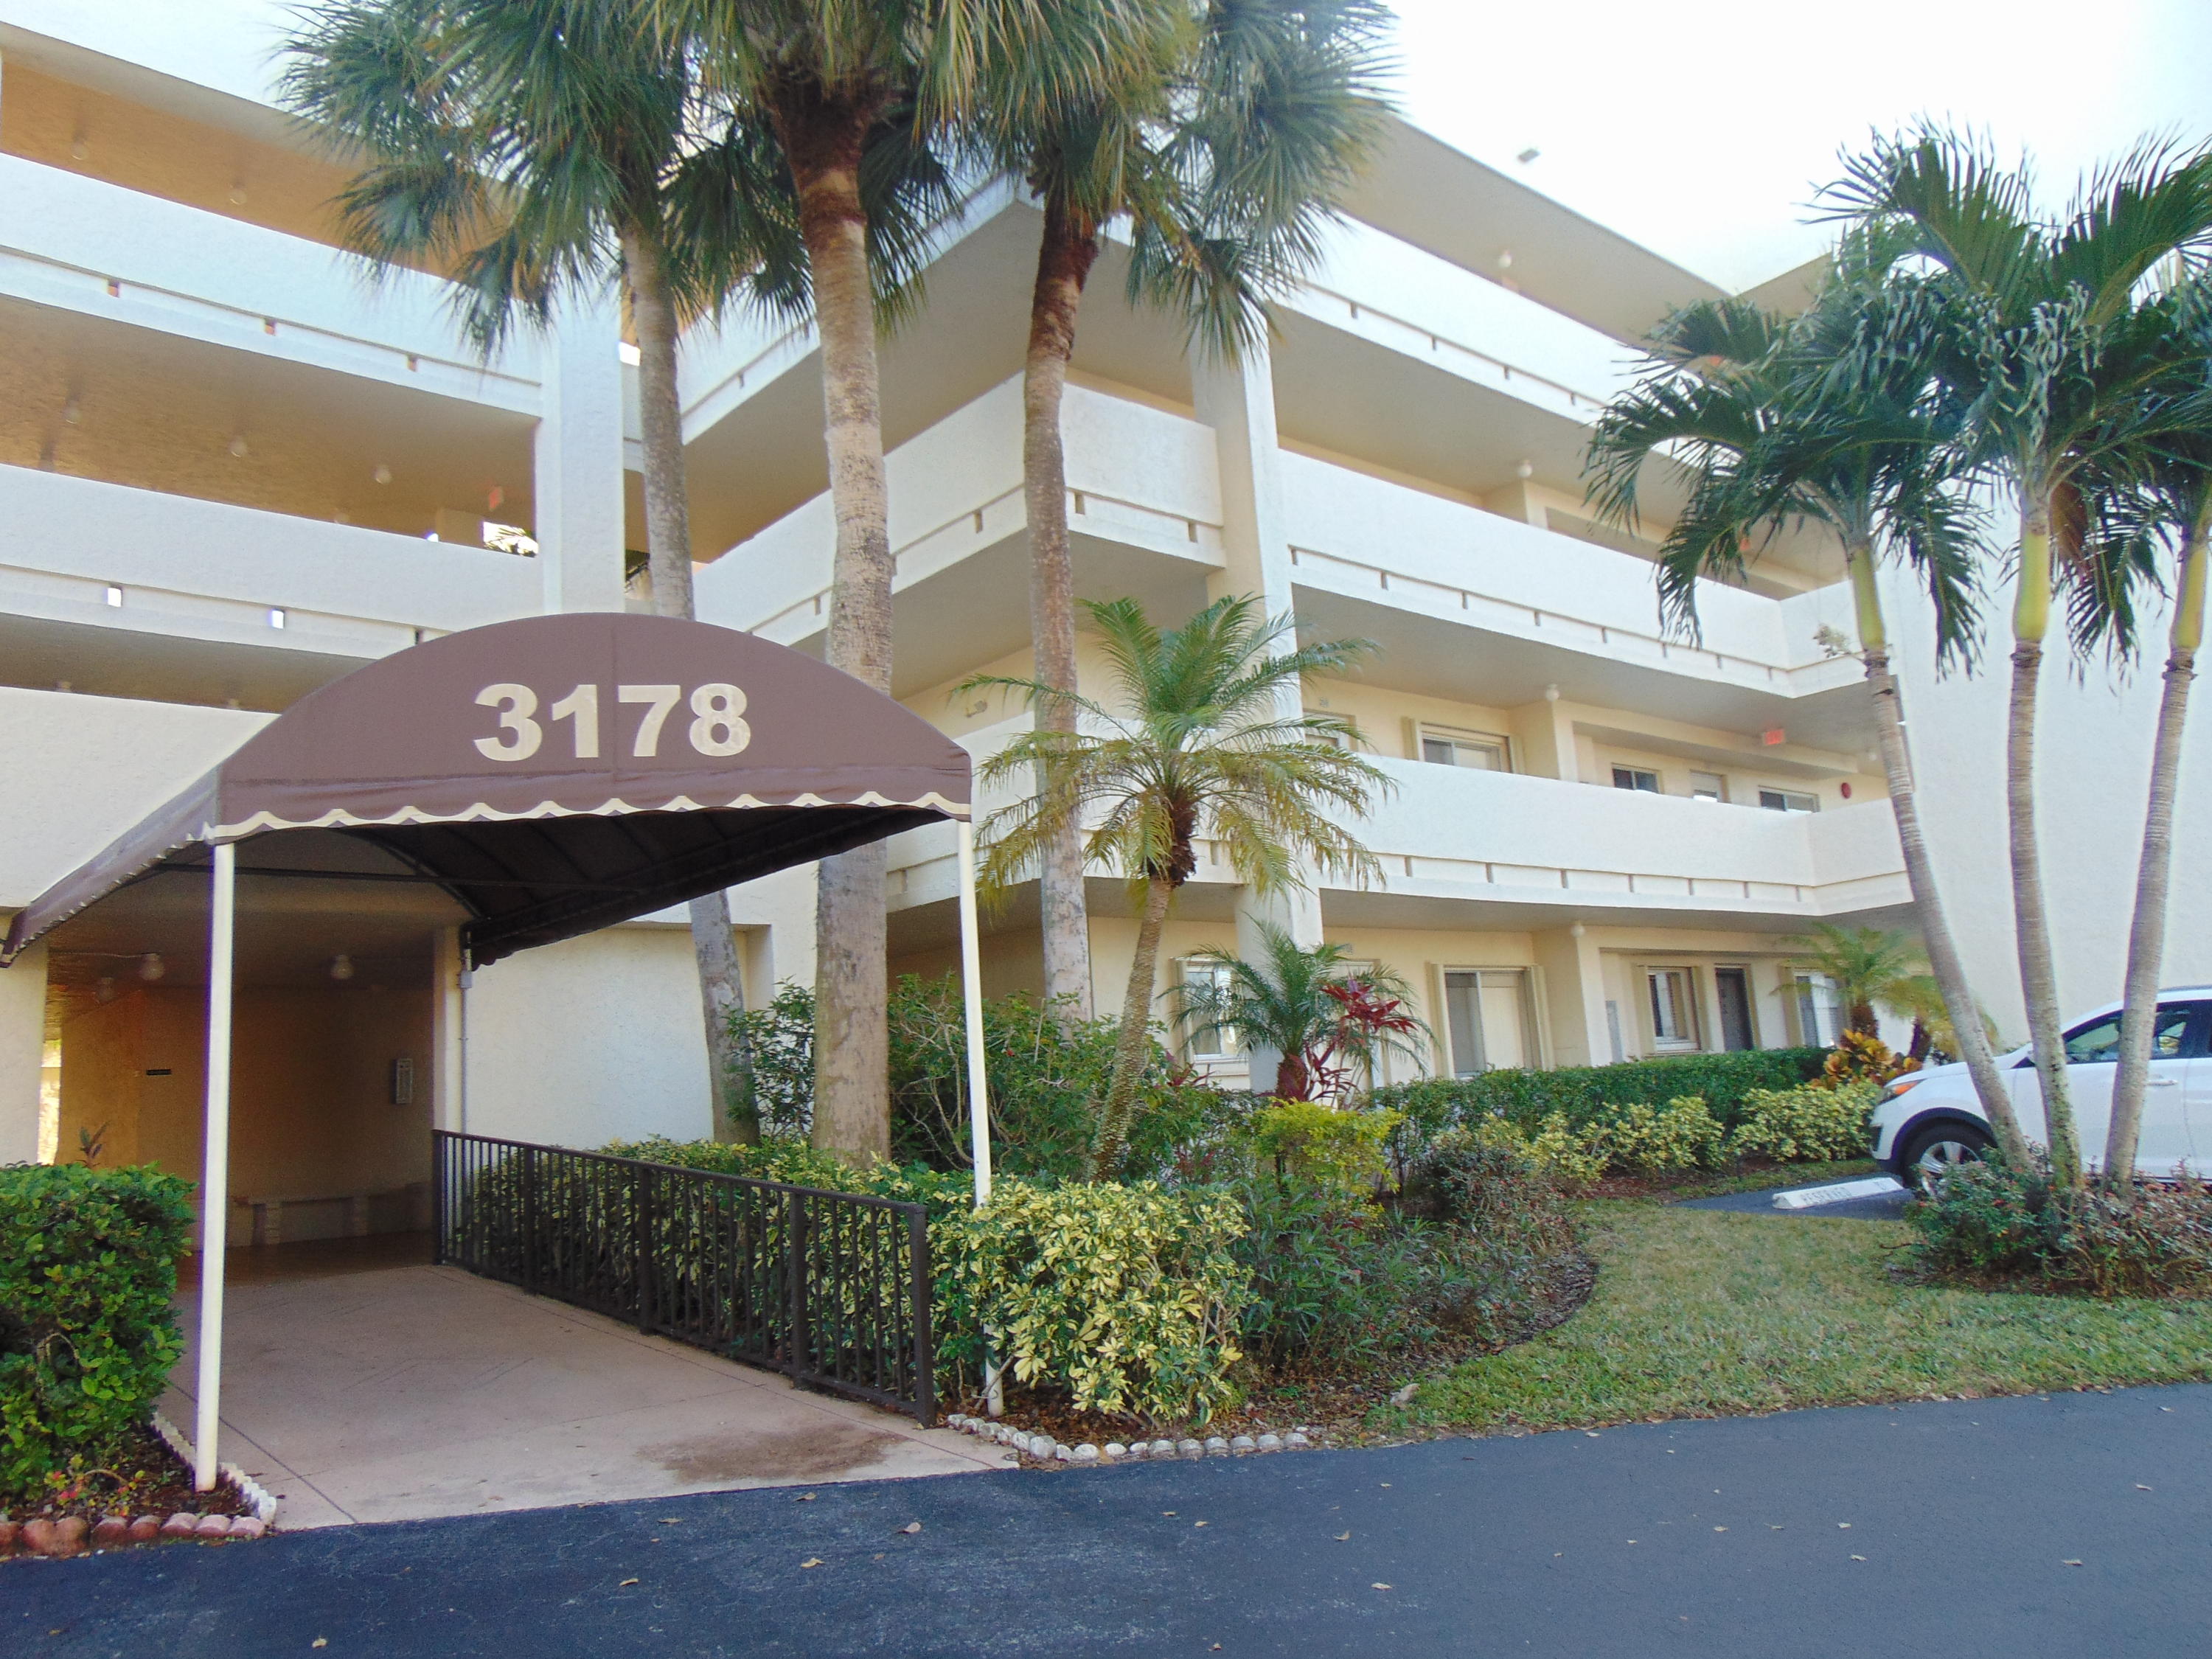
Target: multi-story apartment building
[{"x": 233, "y": 466}]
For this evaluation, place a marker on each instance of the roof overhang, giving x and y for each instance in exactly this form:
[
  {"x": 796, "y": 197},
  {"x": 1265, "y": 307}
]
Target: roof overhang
[{"x": 553, "y": 776}]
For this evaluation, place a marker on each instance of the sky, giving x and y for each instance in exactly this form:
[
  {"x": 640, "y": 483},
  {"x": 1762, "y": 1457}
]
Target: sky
[{"x": 1701, "y": 128}]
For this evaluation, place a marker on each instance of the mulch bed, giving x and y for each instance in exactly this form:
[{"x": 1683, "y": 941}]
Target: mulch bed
[
  {"x": 1329, "y": 1407},
  {"x": 144, "y": 1482}
]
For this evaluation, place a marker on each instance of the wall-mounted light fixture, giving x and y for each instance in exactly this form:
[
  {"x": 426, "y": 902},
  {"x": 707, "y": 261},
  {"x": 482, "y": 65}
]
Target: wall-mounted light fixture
[
  {"x": 151, "y": 966},
  {"x": 239, "y": 447},
  {"x": 1524, "y": 469},
  {"x": 341, "y": 967},
  {"x": 382, "y": 474},
  {"x": 105, "y": 991},
  {"x": 70, "y": 413}
]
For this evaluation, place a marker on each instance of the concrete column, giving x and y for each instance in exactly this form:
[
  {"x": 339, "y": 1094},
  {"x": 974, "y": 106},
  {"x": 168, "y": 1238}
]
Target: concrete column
[
  {"x": 449, "y": 1034},
  {"x": 1574, "y": 997},
  {"x": 579, "y": 461},
  {"x": 1238, "y": 400},
  {"x": 22, "y": 1053}
]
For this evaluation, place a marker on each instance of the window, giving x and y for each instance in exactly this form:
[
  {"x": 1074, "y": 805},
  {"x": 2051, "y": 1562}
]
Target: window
[
  {"x": 1820, "y": 1011},
  {"x": 1631, "y": 777},
  {"x": 1487, "y": 1019},
  {"x": 1220, "y": 1043},
  {"x": 1707, "y": 785},
  {"x": 1788, "y": 800},
  {"x": 2098, "y": 1042},
  {"x": 1674, "y": 1009},
  {"x": 1480, "y": 751}
]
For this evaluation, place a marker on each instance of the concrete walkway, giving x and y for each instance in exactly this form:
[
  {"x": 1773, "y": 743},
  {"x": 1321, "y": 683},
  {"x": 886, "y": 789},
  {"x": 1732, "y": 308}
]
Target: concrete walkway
[
  {"x": 408, "y": 1392},
  {"x": 2033, "y": 1529}
]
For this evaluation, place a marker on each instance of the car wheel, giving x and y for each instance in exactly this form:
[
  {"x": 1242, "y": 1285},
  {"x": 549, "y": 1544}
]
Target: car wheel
[{"x": 1936, "y": 1151}]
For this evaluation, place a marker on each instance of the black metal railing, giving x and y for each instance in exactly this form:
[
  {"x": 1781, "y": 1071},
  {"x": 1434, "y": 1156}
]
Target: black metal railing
[{"x": 831, "y": 1289}]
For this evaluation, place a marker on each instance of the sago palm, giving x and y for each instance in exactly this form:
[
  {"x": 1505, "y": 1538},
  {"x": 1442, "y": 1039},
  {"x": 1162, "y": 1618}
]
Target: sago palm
[
  {"x": 543, "y": 149},
  {"x": 1826, "y": 420},
  {"x": 1192, "y": 746},
  {"x": 2156, "y": 499},
  {"x": 2044, "y": 351},
  {"x": 824, "y": 75},
  {"x": 1326, "y": 1019},
  {"x": 1222, "y": 146}
]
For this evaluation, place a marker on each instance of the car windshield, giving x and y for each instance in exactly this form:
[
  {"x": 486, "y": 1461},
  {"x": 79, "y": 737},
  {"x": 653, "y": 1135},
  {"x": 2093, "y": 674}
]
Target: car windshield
[{"x": 2099, "y": 1042}]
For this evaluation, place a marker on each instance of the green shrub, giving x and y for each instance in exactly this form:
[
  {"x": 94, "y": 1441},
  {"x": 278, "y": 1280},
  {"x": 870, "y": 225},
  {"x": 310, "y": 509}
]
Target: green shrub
[
  {"x": 1987, "y": 1221},
  {"x": 1574, "y": 1157},
  {"x": 795, "y": 1163},
  {"x": 87, "y": 1271},
  {"x": 1333, "y": 1279},
  {"x": 1047, "y": 1074},
  {"x": 1813, "y": 1122},
  {"x": 1580, "y": 1094},
  {"x": 1322, "y": 1146},
  {"x": 1126, "y": 1296},
  {"x": 1662, "y": 1140}
]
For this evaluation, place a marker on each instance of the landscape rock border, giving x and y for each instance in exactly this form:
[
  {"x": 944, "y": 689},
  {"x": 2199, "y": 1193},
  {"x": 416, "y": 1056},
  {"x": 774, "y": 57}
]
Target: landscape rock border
[{"x": 1044, "y": 1449}]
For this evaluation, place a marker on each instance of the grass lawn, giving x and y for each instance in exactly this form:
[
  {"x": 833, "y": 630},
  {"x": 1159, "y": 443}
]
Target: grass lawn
[{"x": 1702, "y": 1313}]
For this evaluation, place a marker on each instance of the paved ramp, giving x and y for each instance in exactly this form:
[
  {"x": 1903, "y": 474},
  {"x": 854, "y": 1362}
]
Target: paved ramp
[{"x": 406, "y": 1392}]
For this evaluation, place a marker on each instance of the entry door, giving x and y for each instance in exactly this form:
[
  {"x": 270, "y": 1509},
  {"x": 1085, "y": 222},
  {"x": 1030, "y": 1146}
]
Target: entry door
[
  {"x": 1732, "y": 986},
  {"x": 2093, "y": 1050}
]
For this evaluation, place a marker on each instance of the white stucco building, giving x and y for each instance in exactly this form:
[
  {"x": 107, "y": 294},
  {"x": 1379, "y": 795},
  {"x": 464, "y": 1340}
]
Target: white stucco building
[{"x": 232, "y": 468}]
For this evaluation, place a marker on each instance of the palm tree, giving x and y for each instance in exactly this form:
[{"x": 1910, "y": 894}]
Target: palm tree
[
  {"x": 1826, "y": 420},
  {"x": 1327, "y": 1021},
  {"x": 1224, "y": 147},
  {"x": 825, "y": 74},
  {"x": 2165, "y": 497},
  {"x": 1197, "y": 749},
  {"x": 2042, "y": 350},
  {"x": 1867, "y": 965},
  {"x": 542, "y": 148}
]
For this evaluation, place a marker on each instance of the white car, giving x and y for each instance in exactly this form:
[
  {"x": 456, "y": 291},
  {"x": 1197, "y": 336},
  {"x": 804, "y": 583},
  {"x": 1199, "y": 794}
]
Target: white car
[{"x": 1930, "y": 1121}]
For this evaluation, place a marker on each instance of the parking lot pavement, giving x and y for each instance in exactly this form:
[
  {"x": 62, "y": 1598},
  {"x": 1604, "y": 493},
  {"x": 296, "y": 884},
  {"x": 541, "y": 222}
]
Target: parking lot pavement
[{"x": 2065, "y": 1525}]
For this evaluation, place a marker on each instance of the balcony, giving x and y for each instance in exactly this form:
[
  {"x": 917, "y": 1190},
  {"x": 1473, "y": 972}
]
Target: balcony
[
  {"x": 105, "y": 556},
  {"x": 1448, "y": 837},
  {"x": 1393, "y": 294},
  {"x": 1364, "y": 539},
  {"x": 101, "y": 251}
]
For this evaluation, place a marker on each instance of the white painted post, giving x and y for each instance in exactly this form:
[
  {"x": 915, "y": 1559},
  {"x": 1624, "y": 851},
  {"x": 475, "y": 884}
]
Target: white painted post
[
  {"x": 215, "y": 1181},
  {"x": 979, "y": 1090},
  {"x": 971, "y": 992}
]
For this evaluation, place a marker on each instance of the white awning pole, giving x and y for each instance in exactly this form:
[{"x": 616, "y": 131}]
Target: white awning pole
[
  {"x": 215, "y": 1181},
  {"x": 971, "y": 991},
  {"x": 979, "y": 1090}
]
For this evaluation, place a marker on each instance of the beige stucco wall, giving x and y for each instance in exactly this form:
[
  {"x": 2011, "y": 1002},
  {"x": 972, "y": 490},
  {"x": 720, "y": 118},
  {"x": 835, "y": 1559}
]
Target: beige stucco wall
[
  {"x": 311, "y": 1109},
  {"x": 23, "y": 1043}
]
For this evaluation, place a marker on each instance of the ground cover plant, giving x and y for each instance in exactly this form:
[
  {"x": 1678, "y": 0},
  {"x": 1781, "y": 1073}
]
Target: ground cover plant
[{"x": 1701, "y": 1313}]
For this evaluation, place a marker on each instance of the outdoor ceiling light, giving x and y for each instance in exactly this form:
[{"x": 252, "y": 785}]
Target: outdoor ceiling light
[
  {"x": 341, "y": 967},
  {"x": 151, "y": 966},
  {"x": 79, "y": 149},
  {"x": 238, "y": 445},
  {"x": 1524, "y": 469},
  {"x": 70, "y": 413},
  {"x": 1505, "y": 258},
  {"x": 383, "y": 473},
  {"x": 106, "y": 990},
  {"x": 238, "y": 196}
]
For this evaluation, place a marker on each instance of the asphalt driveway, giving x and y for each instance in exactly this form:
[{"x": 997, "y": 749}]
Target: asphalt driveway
[{"x": 2067, "y": 1525}]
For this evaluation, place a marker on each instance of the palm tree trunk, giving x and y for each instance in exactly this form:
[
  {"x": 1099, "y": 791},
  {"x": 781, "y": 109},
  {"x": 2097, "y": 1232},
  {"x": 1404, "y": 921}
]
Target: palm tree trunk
[
  {"x": 1944, "y": 960},
  {"x": 2038, "y": 979},
  {"x": 1065, "y": 256},
  {"x": 1132, "y": 1045},
  {"x": 668, "y": 550},
  {"x": 2154, "y": 873},
  {"x": 822, "y": 139}
]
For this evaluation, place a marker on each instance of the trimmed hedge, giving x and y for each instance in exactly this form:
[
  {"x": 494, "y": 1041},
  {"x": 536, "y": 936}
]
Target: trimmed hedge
[
  {"x": 1127, "y": 1294},
  {"x": 1580, "y": 1094},
  {"x": 87, "y": 1271}
]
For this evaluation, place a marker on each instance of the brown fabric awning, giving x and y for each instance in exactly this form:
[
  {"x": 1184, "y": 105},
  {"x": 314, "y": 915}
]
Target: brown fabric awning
[{"x": 560, "y": 774}]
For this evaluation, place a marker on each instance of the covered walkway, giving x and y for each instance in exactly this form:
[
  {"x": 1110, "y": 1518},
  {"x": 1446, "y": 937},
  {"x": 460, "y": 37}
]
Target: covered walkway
[{"x": 362, "y": 1385}]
